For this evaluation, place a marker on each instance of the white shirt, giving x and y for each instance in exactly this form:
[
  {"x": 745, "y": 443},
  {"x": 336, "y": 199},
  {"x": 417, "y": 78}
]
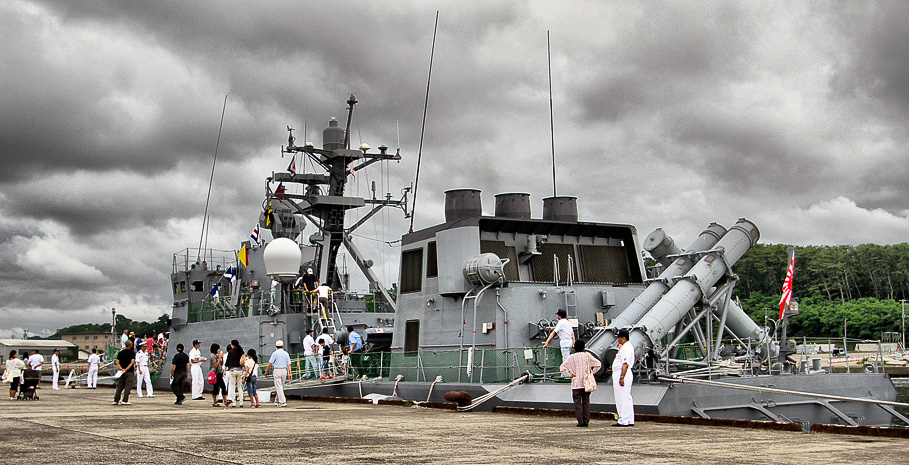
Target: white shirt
[
  {"x": 308, "y": 342},
  {"x": 142, "y": 359},
  {"x": 34, "y": 360},
  {"x": 55, "y": 362},
  {"x": 328, "y": 340},
  {"x": 625, "y": 355},
  {"x": 94, "y": 360},
  {"x": 564, "y": 330},
  {"x": 160, "y": 337},
  {"x": 323, "y": 291},
  {"x": 195, "y": 355}
]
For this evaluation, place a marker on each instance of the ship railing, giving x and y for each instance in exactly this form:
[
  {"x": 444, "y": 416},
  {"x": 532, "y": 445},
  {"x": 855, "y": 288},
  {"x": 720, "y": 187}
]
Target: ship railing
[
  {"x": 217, "y": 308},
  {"x": 213, "y": 258},
  {"x": 488, "y": 365}
]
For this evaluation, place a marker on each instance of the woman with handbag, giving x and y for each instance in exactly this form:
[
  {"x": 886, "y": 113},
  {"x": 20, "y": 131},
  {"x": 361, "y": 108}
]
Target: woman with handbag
[
  {"x": 216, "y": 368},
  {"x": 580, "y": 367}
]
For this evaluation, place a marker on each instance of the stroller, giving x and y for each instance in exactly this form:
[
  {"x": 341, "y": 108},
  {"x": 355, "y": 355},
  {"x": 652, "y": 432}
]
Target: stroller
[{"x": 30, "y": 379}]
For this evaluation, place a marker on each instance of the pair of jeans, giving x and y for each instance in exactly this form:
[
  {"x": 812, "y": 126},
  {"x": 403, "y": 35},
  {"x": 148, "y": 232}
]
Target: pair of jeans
[
  {"x": 312, "y": 367},
  {"x": 251, "y": 386},
  {"x": 124, "y": 385}
]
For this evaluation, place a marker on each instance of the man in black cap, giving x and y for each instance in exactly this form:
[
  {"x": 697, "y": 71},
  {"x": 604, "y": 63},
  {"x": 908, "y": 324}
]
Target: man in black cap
[
  {"x": 622, "y": 378},
  {"x": 566, "y": 334}
]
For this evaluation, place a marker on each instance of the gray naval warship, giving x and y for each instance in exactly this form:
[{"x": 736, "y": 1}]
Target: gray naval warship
[{"x": 477, "y": 295}]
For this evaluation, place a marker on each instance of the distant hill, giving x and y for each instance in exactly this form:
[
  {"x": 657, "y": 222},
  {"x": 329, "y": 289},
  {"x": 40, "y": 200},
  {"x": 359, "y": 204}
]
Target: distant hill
[{"x": 139, "y": 327}]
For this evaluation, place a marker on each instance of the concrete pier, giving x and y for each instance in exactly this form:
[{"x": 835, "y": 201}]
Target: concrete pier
[{"x": 79, "y": 426}]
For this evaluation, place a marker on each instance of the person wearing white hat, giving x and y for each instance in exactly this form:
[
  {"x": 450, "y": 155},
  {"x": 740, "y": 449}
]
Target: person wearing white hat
[
  {"x": 94, "y": 362},
  {"x": 55, "y": 367},
  {"x": 142, "y": 371},
  {"x": 280, "y": 362},
  {"x": 195, "y": 360}
]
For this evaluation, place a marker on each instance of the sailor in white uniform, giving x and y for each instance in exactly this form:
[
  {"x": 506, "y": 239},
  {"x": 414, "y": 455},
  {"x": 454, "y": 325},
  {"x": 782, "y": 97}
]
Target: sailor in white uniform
[
  {"x": 622, "y": 379},
  {"x": 566, "y": 334},
  {"x": 55, "y": 366},
  {"x": 196, "y": 359},
  {"x": 142, "y": 372},
  {"x": 94, "y": 362}
]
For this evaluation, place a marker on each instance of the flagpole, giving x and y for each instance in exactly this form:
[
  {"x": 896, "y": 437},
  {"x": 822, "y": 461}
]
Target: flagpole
[{"x": 784, "y": 319}]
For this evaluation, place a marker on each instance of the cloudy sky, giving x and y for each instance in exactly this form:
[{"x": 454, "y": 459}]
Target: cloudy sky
[{"x": 666, "y": 114}]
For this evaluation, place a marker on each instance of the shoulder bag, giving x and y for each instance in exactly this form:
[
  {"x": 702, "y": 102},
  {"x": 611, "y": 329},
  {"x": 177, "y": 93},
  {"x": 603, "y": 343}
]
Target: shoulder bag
[{"x": 590, "y": 384}]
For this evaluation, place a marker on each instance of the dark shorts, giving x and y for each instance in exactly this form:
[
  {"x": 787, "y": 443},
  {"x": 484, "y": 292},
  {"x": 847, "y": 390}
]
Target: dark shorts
[{"x": 14, "y": 384}]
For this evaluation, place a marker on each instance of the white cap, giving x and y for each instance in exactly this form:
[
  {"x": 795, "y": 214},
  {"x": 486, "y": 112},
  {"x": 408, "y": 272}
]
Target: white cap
[
  {"x": 279, "y": 343},
  {"x": 309, "y": 270}
]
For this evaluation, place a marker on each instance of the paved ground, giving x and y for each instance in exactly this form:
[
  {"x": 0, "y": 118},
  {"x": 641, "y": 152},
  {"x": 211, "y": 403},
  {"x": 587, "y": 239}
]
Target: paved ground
[{"x": 79, "y": 426}]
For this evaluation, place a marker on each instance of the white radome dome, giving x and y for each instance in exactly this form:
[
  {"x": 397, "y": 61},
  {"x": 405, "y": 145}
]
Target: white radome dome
[{"x": 282, "y": 258}]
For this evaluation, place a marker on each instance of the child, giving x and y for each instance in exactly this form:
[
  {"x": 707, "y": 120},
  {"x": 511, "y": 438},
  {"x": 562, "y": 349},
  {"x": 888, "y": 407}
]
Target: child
[
  {"x": 252, "y": 367},
  {"x": 325, "y": 350}
]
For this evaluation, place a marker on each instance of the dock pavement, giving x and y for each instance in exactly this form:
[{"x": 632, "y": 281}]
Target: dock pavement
[{"x": 74, "y": 426}]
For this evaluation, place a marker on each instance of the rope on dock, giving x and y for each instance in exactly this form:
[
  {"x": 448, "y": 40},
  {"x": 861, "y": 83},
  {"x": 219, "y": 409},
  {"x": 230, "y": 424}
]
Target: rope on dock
[{"x": 479, "y": 400}]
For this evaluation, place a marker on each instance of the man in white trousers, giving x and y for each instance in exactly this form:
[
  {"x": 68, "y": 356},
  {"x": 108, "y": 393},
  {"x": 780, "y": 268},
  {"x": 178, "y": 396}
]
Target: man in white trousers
[
  {"x": 280, "y": 362},
  {"x": 55, "y": 366},
  {"x": 94, "y": 362},
  {"x": 142, "y": 372},
  {"x": 195, "y": 360},
  {"x": 622, "y": 379}
]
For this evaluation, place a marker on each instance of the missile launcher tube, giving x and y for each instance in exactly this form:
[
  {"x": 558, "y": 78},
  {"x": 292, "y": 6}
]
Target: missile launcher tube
[
  {"x": 655, "y": 290},
  {"x": 694, "y": 285}
]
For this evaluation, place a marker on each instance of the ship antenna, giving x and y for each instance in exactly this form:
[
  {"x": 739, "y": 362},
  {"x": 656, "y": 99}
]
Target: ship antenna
[
  {"x": 211, "y": 179},
  {"x": 551, "y": 127},
  {"x": 416, "y": 182}
]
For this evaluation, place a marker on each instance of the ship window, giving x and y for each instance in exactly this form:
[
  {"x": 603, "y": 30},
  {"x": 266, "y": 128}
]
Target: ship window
[
  {"x": 432, "y": 263},
  {"x": 412, "y": 336},
  {"x": 196, "y": 286},
  {"x": 412, "y": 271},
  {"x": 604, "y": 264},
  {"x": 503, "y": 251}
]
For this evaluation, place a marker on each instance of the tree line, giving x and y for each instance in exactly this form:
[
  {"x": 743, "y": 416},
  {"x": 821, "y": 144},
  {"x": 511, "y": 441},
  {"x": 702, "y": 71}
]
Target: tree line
[
  {"x": 859, "y": 286},
  {"x": 122, "y": 322}
]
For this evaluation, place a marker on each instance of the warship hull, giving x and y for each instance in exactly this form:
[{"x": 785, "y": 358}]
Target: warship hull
[{"x": 665, "y": 398}]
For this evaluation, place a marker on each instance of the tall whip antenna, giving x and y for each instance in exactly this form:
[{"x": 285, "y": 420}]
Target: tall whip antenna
[
  {"x": 211, "y": 180},
  {"x": 416, "y": 182},
  {"x": 551, "y": 127}
]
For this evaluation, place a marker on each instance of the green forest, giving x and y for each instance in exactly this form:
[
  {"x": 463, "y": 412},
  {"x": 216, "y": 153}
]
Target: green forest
[
  {"x": 860, "y": 285},
  {"x": 139, "y": 327}
]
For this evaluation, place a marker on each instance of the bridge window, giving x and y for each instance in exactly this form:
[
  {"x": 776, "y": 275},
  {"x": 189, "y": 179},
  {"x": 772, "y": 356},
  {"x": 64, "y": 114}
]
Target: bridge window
[
  {"x": 432, "y": 262},
  {"x": 412, "y": 271}
]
